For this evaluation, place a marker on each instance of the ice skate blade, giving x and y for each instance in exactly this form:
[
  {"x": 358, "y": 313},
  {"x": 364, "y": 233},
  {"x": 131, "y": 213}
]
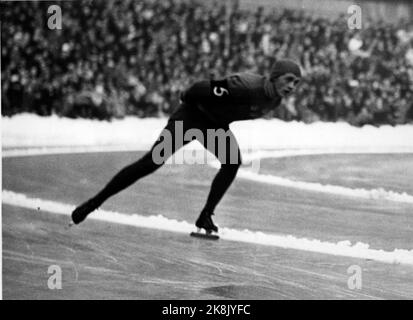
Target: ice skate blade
[{"x": 203, "y": 235}]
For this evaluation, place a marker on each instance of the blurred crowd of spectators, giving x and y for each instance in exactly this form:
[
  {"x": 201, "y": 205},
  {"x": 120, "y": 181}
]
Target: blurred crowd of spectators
[{"x": 117, "y": 58}]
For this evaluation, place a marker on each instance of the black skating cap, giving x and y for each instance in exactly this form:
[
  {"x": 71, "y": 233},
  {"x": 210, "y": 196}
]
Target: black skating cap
[{"x": 284, "y": 66}]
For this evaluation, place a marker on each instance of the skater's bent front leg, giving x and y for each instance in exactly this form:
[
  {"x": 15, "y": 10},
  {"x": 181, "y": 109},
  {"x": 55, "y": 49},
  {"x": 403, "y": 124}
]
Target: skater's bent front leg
[
  {"x": 230, "y": 158},
  {"x": 220, "y": 185}
]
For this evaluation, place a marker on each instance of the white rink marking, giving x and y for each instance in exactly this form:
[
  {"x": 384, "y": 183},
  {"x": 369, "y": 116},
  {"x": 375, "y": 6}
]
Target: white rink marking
[
  {"x": 373, "y": 194},
  {"x": 342, "y": 248}
]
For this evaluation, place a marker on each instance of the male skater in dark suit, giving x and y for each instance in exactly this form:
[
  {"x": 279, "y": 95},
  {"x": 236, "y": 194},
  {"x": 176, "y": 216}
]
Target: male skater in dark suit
[{"x": 206, "y": 105}]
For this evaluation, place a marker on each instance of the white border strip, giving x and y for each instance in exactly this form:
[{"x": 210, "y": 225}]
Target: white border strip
[
  {"x": 373, "y": 194},
  {"x": 343, "y": 248}
]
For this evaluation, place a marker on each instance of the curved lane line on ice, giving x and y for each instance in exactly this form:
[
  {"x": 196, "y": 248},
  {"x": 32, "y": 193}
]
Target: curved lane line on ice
[{"x": 373, "y": 194}]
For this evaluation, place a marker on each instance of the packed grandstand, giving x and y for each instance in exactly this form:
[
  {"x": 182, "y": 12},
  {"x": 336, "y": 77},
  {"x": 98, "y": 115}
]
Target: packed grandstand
[{"x": 118, "y": 58}]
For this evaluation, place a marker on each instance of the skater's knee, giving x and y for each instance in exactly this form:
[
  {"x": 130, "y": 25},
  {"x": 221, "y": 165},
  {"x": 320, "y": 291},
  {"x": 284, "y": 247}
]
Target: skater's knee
[
  {"x": 231, "y": 167},
  {"x": 231, "y": 161}
]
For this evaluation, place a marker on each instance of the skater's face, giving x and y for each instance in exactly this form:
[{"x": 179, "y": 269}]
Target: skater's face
[{"x": 286, "y": 84}]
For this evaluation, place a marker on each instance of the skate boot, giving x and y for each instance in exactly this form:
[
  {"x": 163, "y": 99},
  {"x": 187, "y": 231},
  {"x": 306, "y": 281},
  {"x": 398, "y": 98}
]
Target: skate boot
[
  {"x": 205, "y": 222},
  {"x": 82, "y": 211}
]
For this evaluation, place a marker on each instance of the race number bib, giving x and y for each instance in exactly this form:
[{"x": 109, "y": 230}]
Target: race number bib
[{"x": 219, "y": 89}]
